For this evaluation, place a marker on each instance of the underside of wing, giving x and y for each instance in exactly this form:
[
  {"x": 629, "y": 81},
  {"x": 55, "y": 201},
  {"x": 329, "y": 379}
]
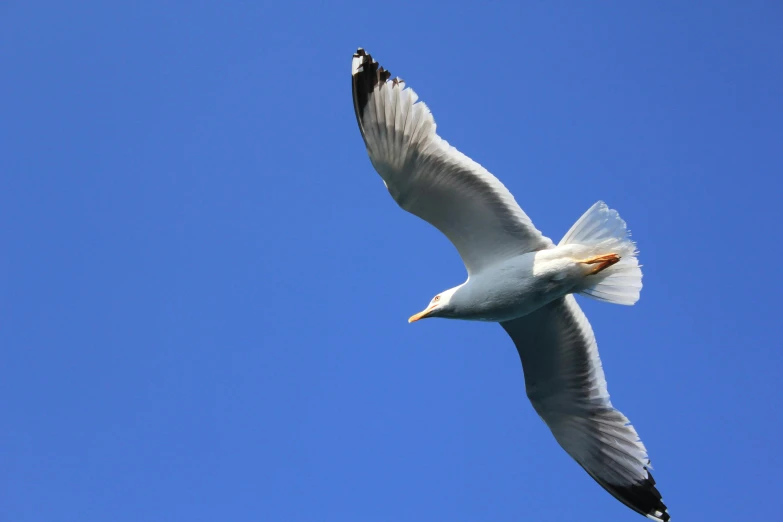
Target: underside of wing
[
  {"x": 433, "y": 180},
  {"x": 566, "y": 385}
]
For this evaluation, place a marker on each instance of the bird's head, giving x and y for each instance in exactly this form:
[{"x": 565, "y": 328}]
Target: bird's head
[{"x": 440, "y": 306}]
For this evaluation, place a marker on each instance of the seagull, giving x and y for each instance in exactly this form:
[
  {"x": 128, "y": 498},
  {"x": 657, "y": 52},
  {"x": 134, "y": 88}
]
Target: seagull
[{"x": 517, "y": 277}]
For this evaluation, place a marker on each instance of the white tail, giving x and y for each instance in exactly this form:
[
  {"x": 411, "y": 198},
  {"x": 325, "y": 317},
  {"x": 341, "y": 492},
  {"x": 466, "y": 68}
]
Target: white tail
[{"x": 602, "y": 229}]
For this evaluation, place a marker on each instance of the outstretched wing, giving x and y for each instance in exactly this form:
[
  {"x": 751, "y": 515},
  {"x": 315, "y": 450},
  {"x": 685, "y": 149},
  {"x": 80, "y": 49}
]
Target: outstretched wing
[
  {"x": 565, "y": 382},
  {"x": 433, "y": 180}
]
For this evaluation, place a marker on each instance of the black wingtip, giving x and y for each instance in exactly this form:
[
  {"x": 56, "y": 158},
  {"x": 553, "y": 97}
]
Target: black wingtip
[
  {"x": 366, "y": 75},
  {"x": 363, "y": 65},
  {"x": 644, "y": 498}
]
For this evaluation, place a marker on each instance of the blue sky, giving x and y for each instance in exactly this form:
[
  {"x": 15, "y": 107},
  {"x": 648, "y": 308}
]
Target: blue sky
[{"x": 205, "y": 285}]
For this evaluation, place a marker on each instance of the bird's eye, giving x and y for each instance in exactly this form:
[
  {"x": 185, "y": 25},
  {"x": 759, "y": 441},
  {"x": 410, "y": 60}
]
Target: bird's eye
[{"x": 437, "y": 298}]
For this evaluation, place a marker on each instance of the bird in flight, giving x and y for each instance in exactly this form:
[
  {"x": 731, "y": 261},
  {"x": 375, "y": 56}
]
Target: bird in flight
[{"x": 517, "y": 277}]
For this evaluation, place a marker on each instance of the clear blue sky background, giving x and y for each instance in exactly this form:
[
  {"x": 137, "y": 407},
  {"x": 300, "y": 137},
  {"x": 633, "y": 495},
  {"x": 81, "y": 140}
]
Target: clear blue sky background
[{"x": 205, "y": 285}]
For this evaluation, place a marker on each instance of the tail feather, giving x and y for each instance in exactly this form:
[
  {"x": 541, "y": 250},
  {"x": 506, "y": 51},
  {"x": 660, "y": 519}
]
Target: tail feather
[{"x": 602, "y": 229}]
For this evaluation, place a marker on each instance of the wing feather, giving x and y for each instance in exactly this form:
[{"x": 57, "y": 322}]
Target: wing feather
[
  {"x": 433, "y": 180},
  {"x": 565, "y": 383}
]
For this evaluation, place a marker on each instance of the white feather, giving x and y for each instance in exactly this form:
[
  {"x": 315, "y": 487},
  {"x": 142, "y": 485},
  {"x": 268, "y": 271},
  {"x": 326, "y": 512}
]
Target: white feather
[{"x": 604, "y": 232}]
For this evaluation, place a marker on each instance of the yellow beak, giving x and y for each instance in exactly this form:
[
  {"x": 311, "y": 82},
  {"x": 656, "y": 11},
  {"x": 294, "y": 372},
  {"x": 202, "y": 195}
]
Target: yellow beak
[{"x": 421, "y": 315}]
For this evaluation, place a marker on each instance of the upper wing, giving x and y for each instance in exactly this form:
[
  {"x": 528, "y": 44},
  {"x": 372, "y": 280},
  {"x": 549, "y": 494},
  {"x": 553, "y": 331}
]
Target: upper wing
[
  {"x": 565, "y": 382},
  {"x": 429, "y": 178}
]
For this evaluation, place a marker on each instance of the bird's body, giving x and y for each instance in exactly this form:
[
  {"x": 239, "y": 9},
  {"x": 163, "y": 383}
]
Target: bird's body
[
  {"x": 514, "y": 288},
  {"x": 518, "y": 278},
  {"x": 520, "y": 285}
]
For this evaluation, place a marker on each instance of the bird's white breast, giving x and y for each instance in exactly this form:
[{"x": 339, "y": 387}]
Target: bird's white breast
[{"x": 520, "y": 285}]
